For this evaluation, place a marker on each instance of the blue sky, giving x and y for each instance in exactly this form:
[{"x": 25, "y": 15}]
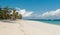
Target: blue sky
[{"x": 37, "y": 6}]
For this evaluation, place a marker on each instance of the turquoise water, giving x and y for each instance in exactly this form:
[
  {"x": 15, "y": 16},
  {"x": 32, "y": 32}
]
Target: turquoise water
[
  {"x": 56, "y": 22},
  {"x": 52, "y": 22}
]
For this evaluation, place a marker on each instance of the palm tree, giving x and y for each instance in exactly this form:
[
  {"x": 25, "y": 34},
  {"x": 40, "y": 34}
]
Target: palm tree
[
  {"x": 5, "y": 13},
  {"x": 0, "y": 13},
  {"x": 16, "y": 15},
  {"x": 14, "y": 12},
  {"x": 20, "y": 16}
]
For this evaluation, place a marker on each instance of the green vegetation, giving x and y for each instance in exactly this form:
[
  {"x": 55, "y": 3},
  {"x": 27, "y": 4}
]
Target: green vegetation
[{"x": 5, "y": 13}]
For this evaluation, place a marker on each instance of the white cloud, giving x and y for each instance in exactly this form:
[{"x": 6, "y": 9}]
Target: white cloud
[
  {"x": 51, "y": 14},
  {"x": 30, "y": 14},
  {"x": 24, "y": 12}
]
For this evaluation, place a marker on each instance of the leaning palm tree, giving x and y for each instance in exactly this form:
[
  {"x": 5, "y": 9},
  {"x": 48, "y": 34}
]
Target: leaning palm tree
[
  {"x": 14, "y": 12},
  {"x": 16, "y": 15},
  {"x": 0, "y": 13},
  {"x": 20, "y": 16},
  {"x": 6, "y": 11}
]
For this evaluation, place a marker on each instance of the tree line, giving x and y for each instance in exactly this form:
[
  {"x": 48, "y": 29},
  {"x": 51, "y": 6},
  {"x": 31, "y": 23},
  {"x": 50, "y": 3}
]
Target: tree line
[{"x": 5, "y": 13}]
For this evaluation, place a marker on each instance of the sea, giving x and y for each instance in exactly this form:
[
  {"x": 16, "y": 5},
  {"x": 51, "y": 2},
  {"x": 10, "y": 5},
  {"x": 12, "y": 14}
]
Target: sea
[{"x": 55, "y": 21}]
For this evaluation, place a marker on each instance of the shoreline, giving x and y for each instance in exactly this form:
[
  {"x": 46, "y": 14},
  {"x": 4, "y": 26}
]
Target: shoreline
[{"x": 28, "y": 27}]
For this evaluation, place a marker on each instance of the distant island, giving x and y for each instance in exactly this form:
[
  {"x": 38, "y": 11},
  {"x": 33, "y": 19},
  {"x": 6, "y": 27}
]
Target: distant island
[{"x": 9, "y": 13}]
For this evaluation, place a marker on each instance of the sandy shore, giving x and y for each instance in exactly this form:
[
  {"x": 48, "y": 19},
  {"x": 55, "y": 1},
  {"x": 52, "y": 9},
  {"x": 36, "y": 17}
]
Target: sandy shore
[{"x": 26, "y": 27}]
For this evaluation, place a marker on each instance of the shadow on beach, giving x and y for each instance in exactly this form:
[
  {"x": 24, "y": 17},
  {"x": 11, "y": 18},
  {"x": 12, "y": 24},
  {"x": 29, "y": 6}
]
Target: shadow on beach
[{"x": 8, "y": 21}]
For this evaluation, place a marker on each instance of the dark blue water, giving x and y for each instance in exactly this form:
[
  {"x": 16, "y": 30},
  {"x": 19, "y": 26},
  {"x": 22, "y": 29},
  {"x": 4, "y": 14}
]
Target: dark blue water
[{"x": 56, "y": 22}]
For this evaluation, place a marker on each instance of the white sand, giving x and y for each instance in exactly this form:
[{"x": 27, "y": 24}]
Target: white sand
[{"x": 25, "y": 27}]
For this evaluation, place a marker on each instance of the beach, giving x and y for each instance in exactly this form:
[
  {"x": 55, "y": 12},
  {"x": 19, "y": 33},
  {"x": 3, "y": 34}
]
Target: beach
[{"x": 28, "y": 27}]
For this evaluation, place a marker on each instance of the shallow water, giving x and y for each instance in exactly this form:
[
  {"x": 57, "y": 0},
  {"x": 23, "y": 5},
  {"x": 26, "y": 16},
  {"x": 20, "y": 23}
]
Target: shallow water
[
  {"x": 52, "y": 22},
  {"x": 47, "y": 21}
]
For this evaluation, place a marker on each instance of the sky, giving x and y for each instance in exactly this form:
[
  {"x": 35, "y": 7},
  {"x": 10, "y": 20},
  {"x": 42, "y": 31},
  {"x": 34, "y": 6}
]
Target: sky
[{"x": 35, "y": 9}]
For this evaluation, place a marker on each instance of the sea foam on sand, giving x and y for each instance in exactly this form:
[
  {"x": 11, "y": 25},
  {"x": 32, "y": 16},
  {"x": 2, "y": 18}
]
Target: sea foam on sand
[{"x": 26, "y": 27}]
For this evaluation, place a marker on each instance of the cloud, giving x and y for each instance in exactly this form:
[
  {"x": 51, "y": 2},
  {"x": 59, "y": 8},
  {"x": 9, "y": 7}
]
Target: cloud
[
  {"x": 51, "y": 14},
  {"x": 30, "y": 14},
  {"x": 24, "y": 12}
]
